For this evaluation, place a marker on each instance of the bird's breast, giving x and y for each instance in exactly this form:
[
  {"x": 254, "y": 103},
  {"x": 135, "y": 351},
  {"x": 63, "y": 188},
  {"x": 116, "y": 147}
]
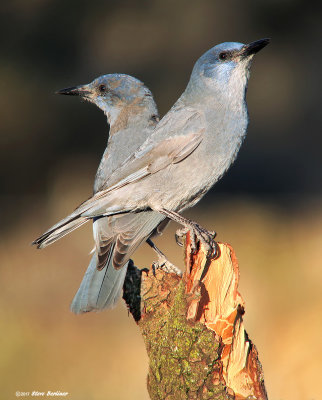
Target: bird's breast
[{"x": 182, "y": 185}]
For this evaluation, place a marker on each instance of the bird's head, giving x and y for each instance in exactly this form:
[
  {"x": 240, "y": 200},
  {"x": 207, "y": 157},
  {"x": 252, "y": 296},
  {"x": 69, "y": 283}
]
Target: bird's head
[
  {"x": 115, "y": 94},
  {"x": 224, "y": 69}
]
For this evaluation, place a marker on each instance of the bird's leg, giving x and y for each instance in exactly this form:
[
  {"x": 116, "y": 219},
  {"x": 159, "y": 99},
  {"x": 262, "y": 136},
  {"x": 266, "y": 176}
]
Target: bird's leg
[
  {"x": 163, "y": 263},
  {"x": 204, "y": 236}
]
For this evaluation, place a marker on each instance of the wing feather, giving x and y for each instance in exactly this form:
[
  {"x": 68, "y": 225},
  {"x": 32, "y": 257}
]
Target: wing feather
[{"x": 183, "y": 137}]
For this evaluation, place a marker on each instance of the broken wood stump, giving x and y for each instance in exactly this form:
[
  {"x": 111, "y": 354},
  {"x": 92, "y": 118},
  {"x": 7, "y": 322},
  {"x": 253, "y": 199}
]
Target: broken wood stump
[{"x": 193, "y": 329}]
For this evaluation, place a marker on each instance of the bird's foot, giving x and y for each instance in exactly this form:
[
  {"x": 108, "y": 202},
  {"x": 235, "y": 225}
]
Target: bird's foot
[
  {"x": 180, "y": 235},
  {"x": 198, "y": 233},
  {"x": 166, "y": 266}
]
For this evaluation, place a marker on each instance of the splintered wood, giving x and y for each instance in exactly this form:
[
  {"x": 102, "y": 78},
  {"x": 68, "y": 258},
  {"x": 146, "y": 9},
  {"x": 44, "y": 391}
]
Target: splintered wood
[
  {"x": 193, "y": 329},
  {"x": 215, "y": 302}
]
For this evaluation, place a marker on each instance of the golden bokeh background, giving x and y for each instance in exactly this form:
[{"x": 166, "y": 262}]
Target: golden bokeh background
[{"x": 268, "y": 207}]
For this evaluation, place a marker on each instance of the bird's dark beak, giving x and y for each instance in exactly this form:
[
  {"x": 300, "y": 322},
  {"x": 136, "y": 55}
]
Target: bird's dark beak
[
  {"x": 75, "y": 91},
  {"x": 254, "y": 47}
]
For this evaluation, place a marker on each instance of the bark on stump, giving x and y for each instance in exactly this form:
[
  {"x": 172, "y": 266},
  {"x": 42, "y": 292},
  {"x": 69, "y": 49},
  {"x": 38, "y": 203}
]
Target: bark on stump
[{"x": 193, "y": 329}]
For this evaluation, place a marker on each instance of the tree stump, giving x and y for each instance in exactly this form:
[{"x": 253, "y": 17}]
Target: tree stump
[{"x": 193, "y": 329}]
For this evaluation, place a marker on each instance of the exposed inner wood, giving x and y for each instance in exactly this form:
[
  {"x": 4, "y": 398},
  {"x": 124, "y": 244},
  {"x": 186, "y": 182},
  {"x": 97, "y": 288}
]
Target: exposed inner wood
[{"x": 194, "y": 331}]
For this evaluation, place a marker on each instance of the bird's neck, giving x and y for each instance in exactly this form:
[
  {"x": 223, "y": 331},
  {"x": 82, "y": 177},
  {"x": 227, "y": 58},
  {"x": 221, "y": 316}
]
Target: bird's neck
[
  {"x": 135, "y": 115},
  {"x": 229, "y": 98}
]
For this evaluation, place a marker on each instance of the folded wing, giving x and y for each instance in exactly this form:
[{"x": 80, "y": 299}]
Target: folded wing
[{"x": 148, "y": 160}]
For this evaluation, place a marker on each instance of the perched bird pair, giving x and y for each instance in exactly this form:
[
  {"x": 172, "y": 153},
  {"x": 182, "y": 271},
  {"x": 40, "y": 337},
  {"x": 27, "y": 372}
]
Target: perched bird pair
[{"x": 151, "y": 171}]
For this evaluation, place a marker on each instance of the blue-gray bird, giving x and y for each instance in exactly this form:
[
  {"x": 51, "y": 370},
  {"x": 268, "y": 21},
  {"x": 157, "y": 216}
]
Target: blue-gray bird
[
  {"x": 187, "y": 153},
  {"x": 132, "y": 115}
]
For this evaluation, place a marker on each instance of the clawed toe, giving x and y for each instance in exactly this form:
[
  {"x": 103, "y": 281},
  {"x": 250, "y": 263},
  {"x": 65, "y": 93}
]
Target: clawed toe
[
  {"x": 210, "y": 245},
  {"x": 197, "y": 233},
  {"x": 166, "y": 266},
  {"x": 179, "y": 240},
  {"x": 207, "y": 239},
  {"x": 179, "y": 235}
]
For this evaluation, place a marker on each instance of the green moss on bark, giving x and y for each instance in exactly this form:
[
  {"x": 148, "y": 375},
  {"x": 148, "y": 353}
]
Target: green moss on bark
[{"x": 184, "y": 357}]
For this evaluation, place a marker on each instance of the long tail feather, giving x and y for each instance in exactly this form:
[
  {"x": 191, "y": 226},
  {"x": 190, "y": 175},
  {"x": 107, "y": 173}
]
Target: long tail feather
[
  {"x": 116, "y": 239},
  {"x": 99, "y": 289}
]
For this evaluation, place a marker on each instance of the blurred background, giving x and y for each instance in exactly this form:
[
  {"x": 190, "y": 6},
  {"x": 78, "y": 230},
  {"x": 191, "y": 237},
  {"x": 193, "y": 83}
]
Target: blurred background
[{"x": 268, "y": 206}]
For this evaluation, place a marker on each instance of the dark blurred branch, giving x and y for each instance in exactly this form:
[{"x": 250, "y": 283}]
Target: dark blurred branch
[{"x": 193, "y": 329}]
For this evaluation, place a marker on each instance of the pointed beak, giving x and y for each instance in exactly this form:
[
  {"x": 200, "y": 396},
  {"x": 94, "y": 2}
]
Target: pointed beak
[
  {"x": 75, "y": 91},
  {"x": 254, "y": 47}
]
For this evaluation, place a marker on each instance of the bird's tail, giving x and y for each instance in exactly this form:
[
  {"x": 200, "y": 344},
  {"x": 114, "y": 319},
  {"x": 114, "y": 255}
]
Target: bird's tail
[
  {"x": 99, "y": 288},
  {"x": 116, "y": 240}
]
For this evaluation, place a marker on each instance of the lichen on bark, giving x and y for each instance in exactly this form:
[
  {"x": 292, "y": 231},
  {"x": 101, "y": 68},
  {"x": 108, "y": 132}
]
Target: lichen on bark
[
  {"x": 193, "y": 329},
  {"x": 184, "y": 356}
]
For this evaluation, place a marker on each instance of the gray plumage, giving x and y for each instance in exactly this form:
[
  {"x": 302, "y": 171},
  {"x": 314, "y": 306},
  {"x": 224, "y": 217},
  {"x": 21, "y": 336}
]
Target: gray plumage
[
  {"x": 187, "y": 153},
  {"x": 132, "y": 115}
]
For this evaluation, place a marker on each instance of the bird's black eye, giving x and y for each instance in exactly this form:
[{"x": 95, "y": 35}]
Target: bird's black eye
[
  {"x": 102, "y": 88},
  {"x": 223, "y": 56}
]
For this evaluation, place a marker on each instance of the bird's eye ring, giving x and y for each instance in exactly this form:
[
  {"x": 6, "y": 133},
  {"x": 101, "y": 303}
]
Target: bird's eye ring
[
  {"x": 102, "y": 88},
  {"x": 223, "y": 56}
]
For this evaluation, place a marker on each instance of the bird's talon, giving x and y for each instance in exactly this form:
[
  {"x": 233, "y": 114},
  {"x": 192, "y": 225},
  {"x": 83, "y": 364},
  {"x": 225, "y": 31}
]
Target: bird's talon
[
  {"x": 179, "y": 235},
  {"x": 166, "y": 266},
  {"x": 154, "y": 267},
  {"x": 179, "y": 240},
  {"x": 215, "y": 251},
  {"x": 193, "y": 241}
]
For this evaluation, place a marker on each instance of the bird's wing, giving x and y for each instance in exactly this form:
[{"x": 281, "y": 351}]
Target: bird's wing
[
  {"x": 59, "y": 230},
  {"x": 183, "y": 137},
  {"x": 182, "y": 121},
  {"x": 157, "y": 153},
  {"x": 170, "y": 151}
]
